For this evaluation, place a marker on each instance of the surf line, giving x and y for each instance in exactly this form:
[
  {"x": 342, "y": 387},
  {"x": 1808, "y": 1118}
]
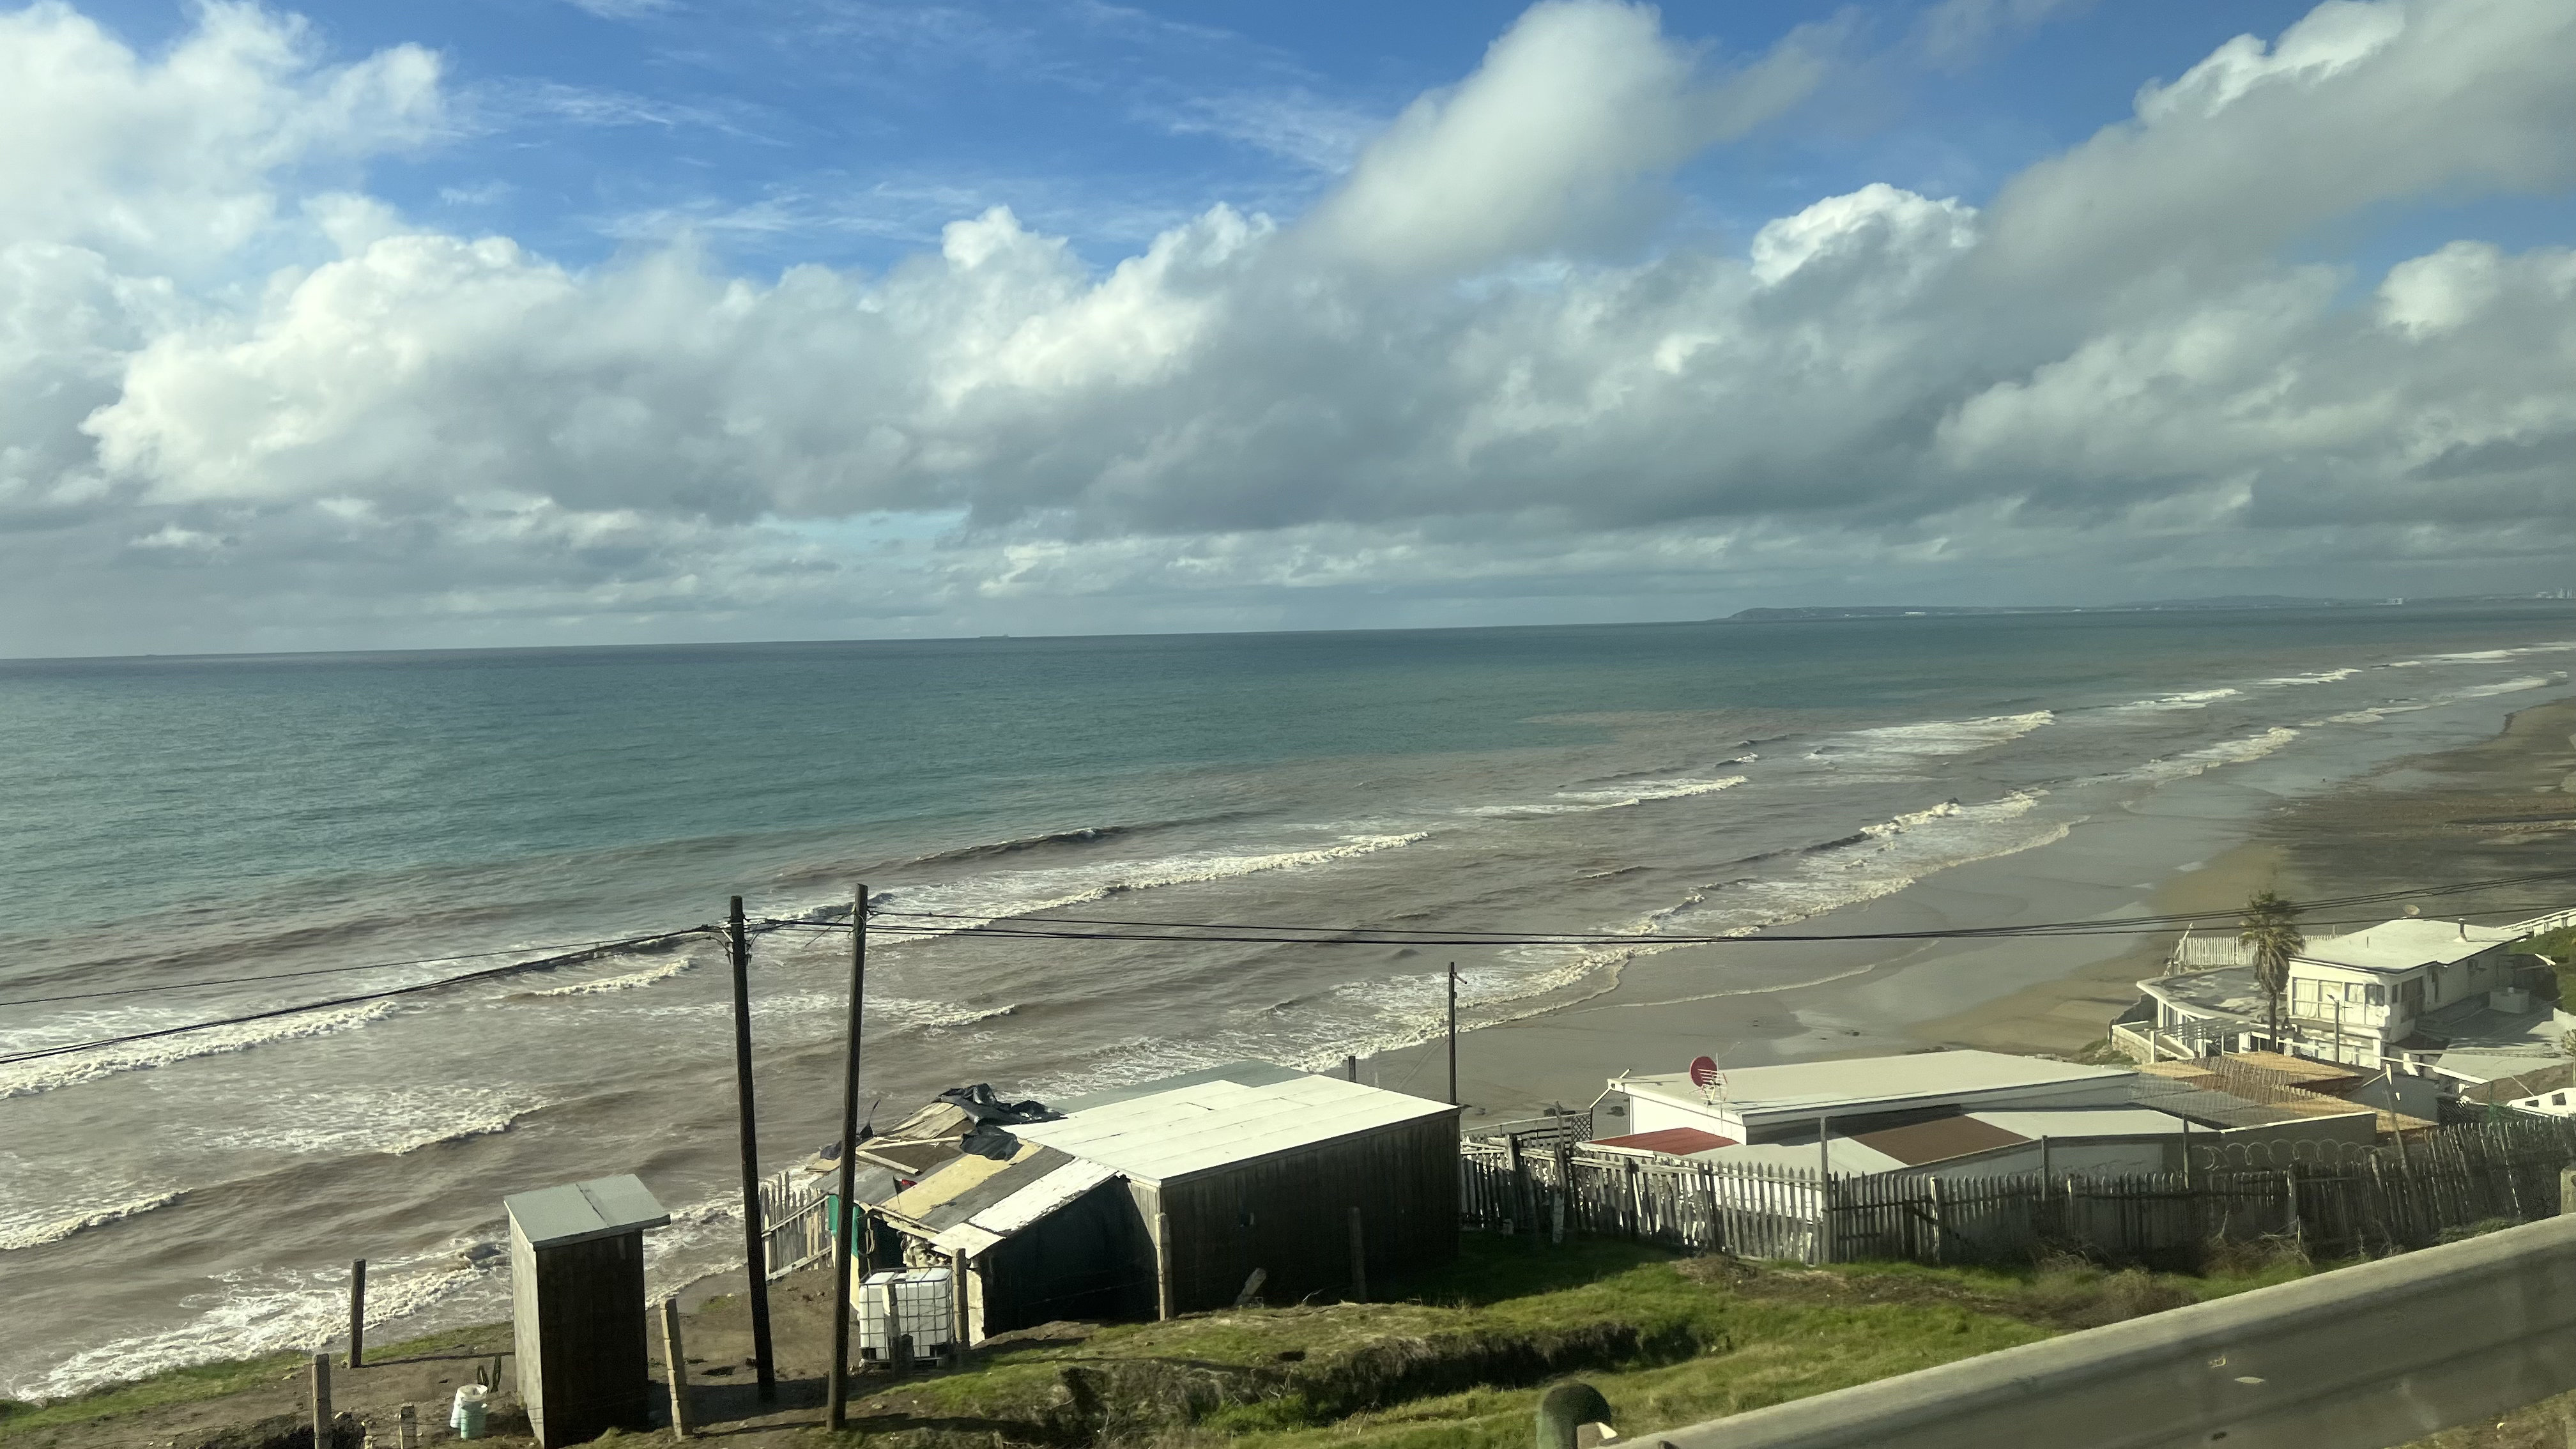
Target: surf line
[{"x": 1715, "y": 995}]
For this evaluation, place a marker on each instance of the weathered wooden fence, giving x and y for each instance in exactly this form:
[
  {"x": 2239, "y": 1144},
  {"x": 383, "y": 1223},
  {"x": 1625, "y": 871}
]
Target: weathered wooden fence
[
  {"x": 2336, "y": 1200},
  {"x": 796, "y": 1214}
]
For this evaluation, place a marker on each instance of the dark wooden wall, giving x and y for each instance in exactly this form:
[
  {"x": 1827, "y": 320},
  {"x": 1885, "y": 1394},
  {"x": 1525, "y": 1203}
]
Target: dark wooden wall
[
  {"x": 1090, "y": 1260},
  {"x": 1290, "y": 1215},
  {"x": 582, "y": 1371}
]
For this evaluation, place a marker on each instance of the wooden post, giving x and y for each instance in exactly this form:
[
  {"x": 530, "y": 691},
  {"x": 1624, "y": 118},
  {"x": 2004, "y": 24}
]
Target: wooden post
[
  {"x": 836, "y": 1389},
  {"x": 754, "y": 1225},
  {"x": 958, "y": 1324},
  {"x": 1163, "y": 1296},
  {"x": 1359, "y": 1260},
  {"x": 407, "y": 1428},
  {"x": 1519, "y": 1188},
  {"x": 1453, "y": 1033},
  {"x": 322, "y": 1401},
  {"x": 1564, "y": 1173},
  {"x": 357, "y": 1313},
  {"x": 675, "y": 1369},
  {"x": 1351, "y": 1068},
  {"x": 1824, "y": 1191}
]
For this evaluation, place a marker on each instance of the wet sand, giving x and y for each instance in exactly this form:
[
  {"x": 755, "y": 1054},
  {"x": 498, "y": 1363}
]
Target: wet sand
[{"x": 2500, "y": 807}]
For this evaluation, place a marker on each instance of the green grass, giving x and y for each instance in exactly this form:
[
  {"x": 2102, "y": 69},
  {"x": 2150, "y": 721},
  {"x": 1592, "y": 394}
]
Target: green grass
[
  {"x": 218, "y": 1380},
  {"x": 177, "y": 1386},
  {"x": 1697, "y": 1339}
]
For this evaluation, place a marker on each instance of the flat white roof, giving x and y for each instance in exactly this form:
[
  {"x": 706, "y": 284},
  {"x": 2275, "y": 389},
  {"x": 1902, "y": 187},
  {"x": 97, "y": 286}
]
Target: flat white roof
[
  {"x": 2085, "y": 1122},
  {"x": 2403, "y": 945},
  {"x": 1824, "y": 1087},
  {"x": 1159, "y": 1135}
]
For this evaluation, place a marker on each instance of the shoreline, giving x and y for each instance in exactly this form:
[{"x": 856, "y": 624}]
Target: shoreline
[{"x": 2467, "y": 812}]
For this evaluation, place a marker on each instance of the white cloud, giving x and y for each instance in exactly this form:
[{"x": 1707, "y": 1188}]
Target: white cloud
[
  {"x": 171, "y": 162},
  {"x": 1453, "y": 383}
]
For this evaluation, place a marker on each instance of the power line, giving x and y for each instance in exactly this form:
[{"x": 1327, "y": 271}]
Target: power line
[
  {"x": 485, "y": 974},
  {"x": 166, "y": 986}
]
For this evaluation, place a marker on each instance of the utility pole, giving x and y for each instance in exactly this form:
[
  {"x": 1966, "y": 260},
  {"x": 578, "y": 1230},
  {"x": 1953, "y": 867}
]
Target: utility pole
[
  {"x": 754, "y": 1229},
  {"x": 836, "y": 1398},
  {"x": 1453, "y": 1033}
]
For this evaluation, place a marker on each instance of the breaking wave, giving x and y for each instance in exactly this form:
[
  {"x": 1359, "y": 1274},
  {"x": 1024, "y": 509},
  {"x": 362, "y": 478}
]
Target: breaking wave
[
  {"x": 33, "y": 1233},
  {"x": 73, "y": 1068}
]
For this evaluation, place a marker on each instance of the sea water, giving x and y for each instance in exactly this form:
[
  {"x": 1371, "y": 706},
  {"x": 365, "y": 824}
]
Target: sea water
[{"x": 336, "y": 824}]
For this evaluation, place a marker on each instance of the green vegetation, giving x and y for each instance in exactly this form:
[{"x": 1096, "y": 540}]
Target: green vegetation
[
  {"x": 178, "y": 1386},
  {"x": 220, "y": 1380},
  {"x": 2558, "y": 948},
  {"x": 1461, "y": 1363}
]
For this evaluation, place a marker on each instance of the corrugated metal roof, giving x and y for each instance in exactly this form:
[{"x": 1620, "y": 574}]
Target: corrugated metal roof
[
  {"x": 1939, "y": 1140},
  {"x": 1193, "y": 1125},
  {"x": 1067, "y": 1179},
  {"x": 1823, "y": 1087}
]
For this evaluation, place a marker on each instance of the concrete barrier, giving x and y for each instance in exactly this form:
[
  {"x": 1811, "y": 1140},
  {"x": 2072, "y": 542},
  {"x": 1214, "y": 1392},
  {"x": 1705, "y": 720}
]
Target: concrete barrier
[{"x": 2360, "y": 1358}]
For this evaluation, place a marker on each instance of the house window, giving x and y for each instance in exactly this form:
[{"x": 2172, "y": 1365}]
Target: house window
[
  {"x": 2375, "y": 994},
  {"x": 2558, "y": 1099}
]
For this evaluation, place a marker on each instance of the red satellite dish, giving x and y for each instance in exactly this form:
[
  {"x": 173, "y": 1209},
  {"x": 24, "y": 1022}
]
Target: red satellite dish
[{"x": 1704, "y": 1072}]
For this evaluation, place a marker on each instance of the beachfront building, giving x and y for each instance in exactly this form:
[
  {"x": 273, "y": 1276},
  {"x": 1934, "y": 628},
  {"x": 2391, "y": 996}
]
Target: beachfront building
[
  {"x": 2095, "y": 1141},
  {"x": 1168, "y": 1197},
  {"x": 2403, "y": 992},
  {"x": 1667, "y": 1112}
]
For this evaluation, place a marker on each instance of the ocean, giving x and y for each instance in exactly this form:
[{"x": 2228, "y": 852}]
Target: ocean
[{"x": 177, "y": 824}]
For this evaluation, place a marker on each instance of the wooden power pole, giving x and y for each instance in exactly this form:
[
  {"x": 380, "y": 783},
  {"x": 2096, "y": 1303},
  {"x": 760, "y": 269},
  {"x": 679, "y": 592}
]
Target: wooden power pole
[
  {"x": 754, "y": 1227},
  {"x": 836, "y": 1399},
  {"x": 1453, "y": 1033}
]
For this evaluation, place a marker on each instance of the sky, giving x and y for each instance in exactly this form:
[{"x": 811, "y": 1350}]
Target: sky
[{"x": 533, "y": 322}]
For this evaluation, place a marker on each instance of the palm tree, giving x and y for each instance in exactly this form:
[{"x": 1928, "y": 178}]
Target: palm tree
[{"x": 2270, "y": 926}]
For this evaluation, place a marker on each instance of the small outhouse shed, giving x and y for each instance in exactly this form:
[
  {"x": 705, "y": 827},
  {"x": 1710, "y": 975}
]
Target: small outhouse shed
[{"x": 577, "y": 1306}]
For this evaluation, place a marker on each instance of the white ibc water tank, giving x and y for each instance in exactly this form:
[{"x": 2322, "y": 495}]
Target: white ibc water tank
[{"x": 911, "y": 1301}]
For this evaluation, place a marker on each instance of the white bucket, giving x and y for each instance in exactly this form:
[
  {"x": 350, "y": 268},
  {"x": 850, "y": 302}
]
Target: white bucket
[{"x": 466, "y": 1418}]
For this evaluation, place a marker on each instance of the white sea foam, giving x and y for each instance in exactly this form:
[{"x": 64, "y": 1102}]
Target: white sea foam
[
  {"x": 2509, "y": 686},
  {"x": 2329, "y": 676},
  {"x": 1933, "y": 739},
  {"x": 983, "y": 899},
  {"x": 628, "y": 982},
  {"x": 2210, "y": 757},
  {"x": 922, "y": 1015},
  {"x": 71, "y": 1068},
  {"x": 2189, "y": 699},
  {"x": 252, "y": 1314},
  {"x": 2485, "y": 656},
  {"x": 1617, "y": 797},
  {"x": 391, "y": 1120},
  {"x": 35, "y": 1230}
]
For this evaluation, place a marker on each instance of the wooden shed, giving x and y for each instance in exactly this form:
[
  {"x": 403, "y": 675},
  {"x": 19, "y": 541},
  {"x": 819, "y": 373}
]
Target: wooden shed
[{"x": 1164, "y": 1198}]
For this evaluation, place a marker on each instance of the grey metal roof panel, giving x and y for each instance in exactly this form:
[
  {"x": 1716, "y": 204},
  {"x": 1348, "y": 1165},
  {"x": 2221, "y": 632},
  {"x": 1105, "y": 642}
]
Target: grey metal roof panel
[
  {"x": 602, "y": 1207},
  {"x": 1216, "y": 1121}
]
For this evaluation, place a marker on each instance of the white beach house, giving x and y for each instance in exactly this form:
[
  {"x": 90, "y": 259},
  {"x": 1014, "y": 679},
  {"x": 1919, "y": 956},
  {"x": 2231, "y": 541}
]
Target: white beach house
[
  {"x": 2401, "y": 991},
  {"x": 1757, "y": 1105}
]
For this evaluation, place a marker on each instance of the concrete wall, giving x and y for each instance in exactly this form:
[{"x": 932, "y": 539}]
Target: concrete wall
[{"x": 2360, "y": 1358}]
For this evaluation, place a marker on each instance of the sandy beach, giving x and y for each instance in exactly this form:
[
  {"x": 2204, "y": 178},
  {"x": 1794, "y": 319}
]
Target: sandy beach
[{"x": 2495, "y": 808}]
